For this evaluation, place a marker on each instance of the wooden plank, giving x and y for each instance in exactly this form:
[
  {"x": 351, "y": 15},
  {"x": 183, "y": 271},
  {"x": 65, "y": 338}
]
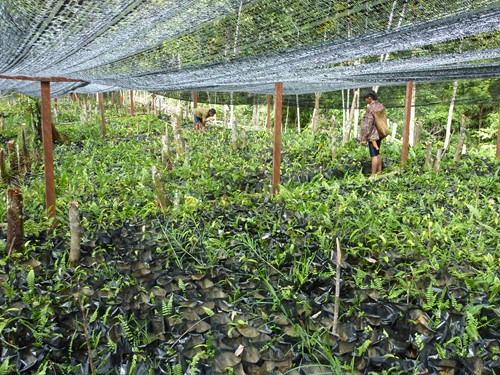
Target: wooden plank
[
  {"x": 278, "y": 106},
  {"x": 41, "y": 79}
]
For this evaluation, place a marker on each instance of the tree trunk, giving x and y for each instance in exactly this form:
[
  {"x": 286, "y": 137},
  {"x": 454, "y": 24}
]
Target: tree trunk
[
  {"x": 412, "y": 117},
  {"x": 418, "y": 132},
  {"x": 344, "y": 120},
  {"x": 74, "y": 227},
  {"x": 13, "y": 162},
  {"x": 234, "y": 129},
  {"x": 3, "y": 168},
  {"x": 255, "y": 112},
  {"x": 159, "y": 193},
  {"x": 450, "y": 116},
  {"x": 356, "y": 116},
  {"x": 178, "y": 131},
  {"x": 334, "y": 142},
  {"x": 498, "y": 138},
  {"x": 461, "y": 140},
  {"x": 437, "y": 161},
  {"x": 15, "y": 225},
  {"x": 428, "y": 158},
  {"x": 315, "y": 116},
  {"x": 351, "y": 113},
  {"x": 394, "y": 131}
]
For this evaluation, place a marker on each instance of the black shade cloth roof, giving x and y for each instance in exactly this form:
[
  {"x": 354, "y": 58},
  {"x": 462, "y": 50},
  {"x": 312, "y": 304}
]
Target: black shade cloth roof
[{"x": 245, "y": 45}]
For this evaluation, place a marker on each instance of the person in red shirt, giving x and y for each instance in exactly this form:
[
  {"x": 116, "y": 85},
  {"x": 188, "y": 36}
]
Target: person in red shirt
[{"x": 368, "y": 134}]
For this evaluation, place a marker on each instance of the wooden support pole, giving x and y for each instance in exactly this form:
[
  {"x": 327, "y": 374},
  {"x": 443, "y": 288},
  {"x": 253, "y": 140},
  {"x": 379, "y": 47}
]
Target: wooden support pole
[
  {"x": 268, "y": 118},
  {"x": 407, "y": 117},
  {"x": 15, "y": 226},
  {"x": 278, "y": 105},
  {"x": 195, "y": 99},
  {"x": 48, "y": 161},
  {"x": 132, "y": 110},
  {"x": 498, "y": 138},
  {"x": 100, "y": 98}
]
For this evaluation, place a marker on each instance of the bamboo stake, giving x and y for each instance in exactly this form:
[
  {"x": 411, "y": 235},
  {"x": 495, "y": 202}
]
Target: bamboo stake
[
  {"x": 15, "y": 225},
  {"x": 335, "y": 329},
  {"x": 74, "y": 227}
]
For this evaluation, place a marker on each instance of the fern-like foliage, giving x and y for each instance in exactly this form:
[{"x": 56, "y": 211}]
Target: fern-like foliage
[
  {"x": 94, "y": 316},
  {"x": 30, "y": 280},
  {"x": 208, "y": 311},
  {"x": 167, "y": 307},
  {"x": 128, "y": 330},
  {"x": 5, "y": 368},
  {"x": 181, "y": 285},
  {"x": 430, "y": 299},
  {"x": 133, "y": 365},
  {"x": 195, "y": 361},
  {"x": 175, "y": 369}
]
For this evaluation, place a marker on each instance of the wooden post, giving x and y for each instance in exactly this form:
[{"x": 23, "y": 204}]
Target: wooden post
[
  {"x": 407, "y": 117},
  {"x": 268, "y": 119},
  {"x": 498, "y": 138},
  {"x": 100, "y": 98},
  {"x": 48, "y": 161},
  {"x": 195, "y": 105},
  {"x": 132, "y": 111},
  {"x": 278, "y": 105},
  {"x": 195, "y": 99},
  {"x": 15, "y": 226}
]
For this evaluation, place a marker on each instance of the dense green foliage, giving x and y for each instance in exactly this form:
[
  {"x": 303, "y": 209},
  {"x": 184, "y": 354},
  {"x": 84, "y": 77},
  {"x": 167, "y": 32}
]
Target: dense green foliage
[{"x": 422, "y": 241}]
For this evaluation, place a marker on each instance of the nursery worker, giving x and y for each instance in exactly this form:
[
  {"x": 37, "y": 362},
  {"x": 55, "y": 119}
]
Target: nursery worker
[
  {"x": 201, "y": 116},
  {"x": 368, "y": 133}
]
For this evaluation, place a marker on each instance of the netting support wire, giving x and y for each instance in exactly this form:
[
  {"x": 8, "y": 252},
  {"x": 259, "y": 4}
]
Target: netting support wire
[
  {"x": 407, "y": 118},
  {"x": 132, "y": 111},
  {"x": 498, "y": 138},
  {"x": 100, "y": 98},
  {"x": 278, "y": 105},
  {"x": 48, "y": 158}
]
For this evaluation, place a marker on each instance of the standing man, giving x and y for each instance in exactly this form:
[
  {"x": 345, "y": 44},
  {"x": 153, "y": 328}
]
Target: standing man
[
  {"x": 201, "y": 116},
  {"x": 368, "y": 133}
]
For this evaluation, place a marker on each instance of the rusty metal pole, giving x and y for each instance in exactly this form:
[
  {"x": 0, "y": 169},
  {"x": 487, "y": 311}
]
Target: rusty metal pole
[
  {"x": 100, "y": 98},
  {"x": 132, "y": 110},
  {"x": 48, "y": 160},
  {"x": 406, "y": 130},
  {"x": 278, "y": 105},
  {"x": 268, "y": 119},
  {"x": 498, "y": 138}
]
